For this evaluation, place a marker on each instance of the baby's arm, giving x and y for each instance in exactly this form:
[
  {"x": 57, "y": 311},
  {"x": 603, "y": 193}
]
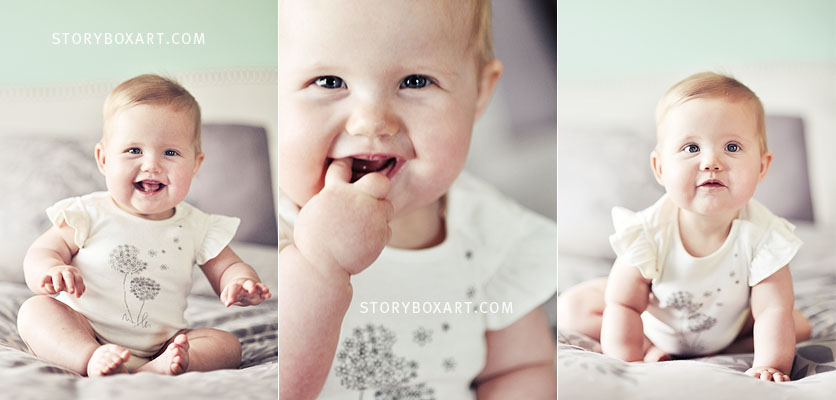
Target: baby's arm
[
  {"x": 46, "y": 265},
  {"x": 520, "y": 361},
  {"x": 234, "y": 281},
  {"x": 626, "y": 296},
  {"x": 339, "y": 232},
  {"x": 774, "y": 331}
]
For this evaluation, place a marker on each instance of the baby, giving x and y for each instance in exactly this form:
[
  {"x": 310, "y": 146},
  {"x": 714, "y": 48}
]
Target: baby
[
  {"x": 389, "y": 258},
  {"x": 121, "y": 261},
  {"x": 706, "y": 264}
]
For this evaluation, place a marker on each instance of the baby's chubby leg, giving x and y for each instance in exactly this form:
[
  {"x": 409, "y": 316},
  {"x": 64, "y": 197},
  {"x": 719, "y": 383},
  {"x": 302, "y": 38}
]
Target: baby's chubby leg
[
  {"x": 58, "y": 334},
  {"x": 744, "y": 343},
  {"x": 196, "y": 350},
  {"x": 653, "y": 353},
  {"x": 803, "y": 330},
  {"x": 581, "y": 308}
]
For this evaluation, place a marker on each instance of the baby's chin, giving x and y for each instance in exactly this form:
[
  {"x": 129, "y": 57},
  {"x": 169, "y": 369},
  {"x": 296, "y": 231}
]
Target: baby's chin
[{"x": 407, "y": 205}]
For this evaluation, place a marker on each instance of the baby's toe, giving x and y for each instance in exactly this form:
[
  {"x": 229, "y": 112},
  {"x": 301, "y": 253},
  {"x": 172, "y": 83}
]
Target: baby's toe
[
  {"x": 176, "y": 365},
  {"x": 179, "y": 349},
  {"x": 181, "y": 341},
  {"x": 107, "y": 360}
]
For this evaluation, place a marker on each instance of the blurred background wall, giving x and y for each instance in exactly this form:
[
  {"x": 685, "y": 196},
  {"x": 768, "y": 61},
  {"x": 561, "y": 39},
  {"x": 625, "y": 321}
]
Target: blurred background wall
[
  {"x": 610, "y": 38},
  {"x": 237, "y": 35},
  {"x": 514, "y": 143}
]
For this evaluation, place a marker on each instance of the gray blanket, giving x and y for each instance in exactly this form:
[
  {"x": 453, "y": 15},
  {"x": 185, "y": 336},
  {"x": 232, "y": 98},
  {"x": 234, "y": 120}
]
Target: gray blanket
[{"x": 26, "y": 377}]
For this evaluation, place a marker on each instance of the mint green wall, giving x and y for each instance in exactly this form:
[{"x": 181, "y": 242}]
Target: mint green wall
[
  {"x": 237, "y": 34},
  {"x": 606, "y": 38}
]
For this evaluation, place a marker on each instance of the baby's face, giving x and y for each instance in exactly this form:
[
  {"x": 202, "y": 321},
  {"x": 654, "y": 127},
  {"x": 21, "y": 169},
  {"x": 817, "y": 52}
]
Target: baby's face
[
  {"x": 709, "y": 156},
  {"x": 149, "y": 159},
  {"x": 390, "y": 85}
]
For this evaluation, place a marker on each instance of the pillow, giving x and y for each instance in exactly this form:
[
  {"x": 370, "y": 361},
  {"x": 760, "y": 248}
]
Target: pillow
[
  {"x": 788, "y": 172},
  {"x": 235, "y": 180},
  {"x": 597, "y": 170},
  {"x": 37, "y": 172}
]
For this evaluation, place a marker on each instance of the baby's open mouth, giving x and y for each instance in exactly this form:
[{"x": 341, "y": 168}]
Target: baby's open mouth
[
  {"x": 366, "y": 165},
  {"x": 149, "y": 186}
]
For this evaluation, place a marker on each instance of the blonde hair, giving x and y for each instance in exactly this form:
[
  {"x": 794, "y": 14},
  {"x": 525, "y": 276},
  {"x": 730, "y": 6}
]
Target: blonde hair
[
  {"x": 151, "y": 90},
  {"x": 481, "y": 37},
  {"x": 711, "y": 85}
]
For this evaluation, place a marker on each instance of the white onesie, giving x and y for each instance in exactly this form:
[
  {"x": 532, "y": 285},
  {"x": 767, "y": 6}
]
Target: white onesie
[
  {"x": 137, "y": 272},
  {"x": 699, "y": 304},
  {"x": 416, "y": 325}
]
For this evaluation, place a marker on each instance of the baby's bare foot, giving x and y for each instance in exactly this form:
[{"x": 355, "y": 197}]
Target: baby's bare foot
[
  {"x": 108, "y": 359},
  {"x": 173, "y": 361},
  {"x": 654, "y": 354}
]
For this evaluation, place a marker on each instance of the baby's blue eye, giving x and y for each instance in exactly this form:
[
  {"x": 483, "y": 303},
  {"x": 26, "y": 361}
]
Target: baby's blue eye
[
  {"x": 330, "y": 82},
  {"x": 691, "y": 148},
  {"x": 171, "y": 153},
  {"x": 415, "y": 82},
  {"x": 134, "y": 150},
  {"x": 732, "y": 147}
]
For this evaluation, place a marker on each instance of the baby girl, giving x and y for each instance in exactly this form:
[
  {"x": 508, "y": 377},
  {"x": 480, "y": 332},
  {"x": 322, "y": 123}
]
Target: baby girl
[
  {"x": 706, "y": 266},
  {"x": 378, "y": 101},
  {"x": 121, "y": 261}
]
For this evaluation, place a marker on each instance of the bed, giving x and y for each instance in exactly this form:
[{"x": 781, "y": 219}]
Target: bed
[
  {"x": 38, "y": 170},
  {"x": 585, "y": 198}
]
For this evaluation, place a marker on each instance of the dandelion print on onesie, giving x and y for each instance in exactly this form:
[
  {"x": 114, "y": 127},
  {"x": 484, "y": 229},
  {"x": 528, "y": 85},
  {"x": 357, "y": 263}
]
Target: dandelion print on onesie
[
  {"x": 693, "y": 320},
  {"x": 125, "y": 260},
  {"x": 366, "y": 360}
]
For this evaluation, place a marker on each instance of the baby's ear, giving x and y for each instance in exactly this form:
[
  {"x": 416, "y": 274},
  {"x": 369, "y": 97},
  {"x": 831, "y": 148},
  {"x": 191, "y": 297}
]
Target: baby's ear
[
  {"x": 100, "y": 157},
  {"x": 766, "y": 161},
  {"x": 656, "y": 166},
  {"x": 488, "y": 77},
  {"x": 198, "y": 160}
]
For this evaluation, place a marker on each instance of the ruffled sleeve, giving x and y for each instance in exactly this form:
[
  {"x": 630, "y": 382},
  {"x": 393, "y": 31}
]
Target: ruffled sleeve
[
  {"x": 775, "y": 248},
  {"x": 514, "y": 250},
  {"x": 219, "y": 232},
  {"x": 633, "y": 244},
  {"x": 73, "y": 212},
  {"x": 527, "y": 277}
]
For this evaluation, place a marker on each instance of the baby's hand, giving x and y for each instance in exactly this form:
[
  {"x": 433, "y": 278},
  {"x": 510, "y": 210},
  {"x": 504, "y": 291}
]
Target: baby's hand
[
  {"x": 244, "y": 292},
  {"x": 768, "y": 374},
  {"x": 346, "y": 225},
  {"x": 63, "y": 278}
]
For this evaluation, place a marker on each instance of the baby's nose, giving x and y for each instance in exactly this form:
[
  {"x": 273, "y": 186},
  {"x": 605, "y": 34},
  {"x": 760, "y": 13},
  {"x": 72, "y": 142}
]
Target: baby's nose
[
  {"x": 151, "y": 164},
  {"x": 710, "y": 162},
  {"x": 373, "y": 118}
]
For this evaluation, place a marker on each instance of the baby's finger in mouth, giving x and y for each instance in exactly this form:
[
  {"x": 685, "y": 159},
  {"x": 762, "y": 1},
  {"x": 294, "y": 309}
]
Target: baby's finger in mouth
[
  {"x": 337, "y": 170},
  {"x": 375, "y": 184}
]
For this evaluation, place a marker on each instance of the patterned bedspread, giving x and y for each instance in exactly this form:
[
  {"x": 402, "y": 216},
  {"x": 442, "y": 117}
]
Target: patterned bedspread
[{"x": 26, "y": 377}]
